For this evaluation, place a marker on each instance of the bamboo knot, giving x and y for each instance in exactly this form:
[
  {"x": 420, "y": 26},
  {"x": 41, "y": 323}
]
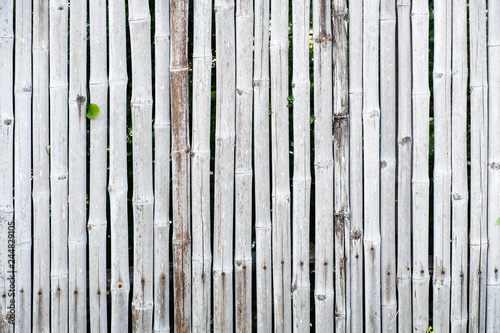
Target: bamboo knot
[
  {"x": 60, "y": 7},
  {"x": 76, "y": 291},
  {"x": 355, "y": 234},
  {"x": 240, "y": 92},
  {"x": 356, "y": 256},
  {"x": 301, "y": 264},
  {"x": 294, "y": 287},
  {"x": 264, "y": 267},
  {"x": 120, "y": 286},
  {"x": 98, "y": 293},
  {"x": 408, "y": 268},
  {"x": 325, "y": 263},
  {"x": 39, "y": 293},
  {"x": 321, "y": 297},
  {"x": 163, "y": 278},
  {"x": 244, "y": 267},
  {"x": 27, "y": 88},
  {"x": 7, "y": 122},
  {"x": 422, "y": 272},
  {"x": 443, "y": 272},
  {"x": 80, "y": 99},
  {"x": 405, "y": 140},
  {"x": 383, "y": 164},
  {"x": 495, "y": 166},
  {"x": 21, "y": 291},
  {"x": 457, "y": 197},
  {"x": 496, "y": 270}
]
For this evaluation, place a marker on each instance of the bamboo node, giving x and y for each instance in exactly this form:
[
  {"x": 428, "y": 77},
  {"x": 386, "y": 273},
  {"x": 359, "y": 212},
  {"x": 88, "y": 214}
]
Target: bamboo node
[
  {"x": 60, "y": 7},
  {"x": 355, "y": 234},
  {"x": 408, "y": 268},
  {"x": 383, "y": 164},
  {"x": 163, "y": 278},
  {"x": 98, "y": 293},
  {"x": 422, "y": 272},
  {"x": 80, "y": 99},
  {"x": 301, "y": 264},
  {"x": 443, "y": 272},
  {"x": 356, "y": 256},
  {"x": 21, "y": 291},
  {"x": 143, "y": 281},
  {"x": 120, "y": 285},
  {"x": 326, "y": 263},
  {"x": 405, "y": 140},
  {"x": 76, "y": 291},
  {"x": 264, "y": 267},
  {"x": 244, "y": 267},
  {"x": 240, "y": 92},
  {"x": 457, "y": 197},
  {"x": 7, "y": 122},
  {"x": 238, "y": 263},
  {"x": 461, "y": 275},
  {"x": 282, "y": 261},
  {"x": 321, "y": 297},
  {"x": 495, "y": 166},
  {"x": 39, "y": 293},
  {"x": 480, "y": 272},
  {"x": 496, "y": 270},
  {"x": 389, "y": 273}
]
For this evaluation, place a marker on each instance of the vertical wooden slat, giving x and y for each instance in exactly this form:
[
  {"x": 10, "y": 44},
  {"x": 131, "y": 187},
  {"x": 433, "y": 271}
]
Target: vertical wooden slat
[
  {"x": 202, "y": 256},
  {"x": 59, "y": 165},
  {"x": 243, "y": 166},
  {"x": 22, "y": 164},
  {"x": 404, "y": 139},
  {"x": 371, "y": 165},
  {"x": 118, "y": 187},
  {"x": 181, "y": 239},
  {"x": 6, "y": 157},
  {"x": 388, "y": 164},
  {"x": 41, "y": 190},
  {"x": 323, "y": 165},
  {"x": 162, "y": 167},
  {"x": 442, "y": 165},
  {"x": 142, "y": 152},
  {"x": 77, "y": 140},
  {"x": 301, "y": 166},
  {"x": 479, "y": 165},
  {"x": 262, "y": 167}
]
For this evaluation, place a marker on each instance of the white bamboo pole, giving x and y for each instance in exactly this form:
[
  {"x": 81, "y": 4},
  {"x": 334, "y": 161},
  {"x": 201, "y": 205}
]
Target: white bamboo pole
[
  {"x": 142, "y": 152},
  {"x": 404, "y": 139},
  {"x": 162, "y": 167},
  {"x": 323, "y": 165},
  {"x": 59, "y": 165},
  {"x": 301, "y": 166},
  {"x": 117, "y": 188},
  {"x": 22, "y": 164},
  {"x": 224, "y": 166},
  {"x": 420, "y": 174},
  {"x": 371, "y": 165},
  {"x": 442, "y": 165},
  {"x": 479, "y": 165},
  {"x": 261, "y": 167},
  {"x": 388, "y": 164},
  {"x": 280, "y": 152},
  {"x": 97, "y": 222},
  {"x": 459, "y": 194},
  {"x": 77, "y": 165},
  {"x": 6, "y": 158},
  {"x": 355, "y": 257},
  {"x": 493, "y": 277},
  {"x": 202, "y": 256},
  {"x": 243, "y": 166},
  {"x": 41, "y": 190},
  {"x": 341, "y": 161},
  {"x": 181, "y": 239}
]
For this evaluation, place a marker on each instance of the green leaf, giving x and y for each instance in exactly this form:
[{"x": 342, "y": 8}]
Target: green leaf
[
  {"x": 48, "y": 149},
  {"x": 93, "y": 111},
  {"x": 313, "y": 118},
  {"x": 498, "y": 221}
]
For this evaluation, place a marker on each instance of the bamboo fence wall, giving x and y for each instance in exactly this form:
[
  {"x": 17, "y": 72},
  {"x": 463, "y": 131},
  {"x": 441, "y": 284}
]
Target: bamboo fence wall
[{"x": 249, "y": 165}]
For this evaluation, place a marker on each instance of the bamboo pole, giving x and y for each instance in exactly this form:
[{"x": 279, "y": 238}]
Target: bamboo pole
[
  {"x": 280, "y": 181},
  {"x": 22, "y": 164},
  {"x": 341, "y": 156},
  {"x": 323, "y": 165},
  {"x": 181, "y": 239},
  {"x": 442, "y": 165},
  {"x": 97, "y": 222},
  {"x": 388, "y": 164},
  {"x": 224, "y": 166},
  {"x": 77, "y": 141},
  {"x": 261, "y": 163},
  {"x": 301, "y": 166},
  {"x": 59, "y": 165},
  {"x": 420, "y": 174},
  {"x": 7, "y": 158},
  {"x": 202, "y": 256},
  {"x": 243, "y": 166},
  {"x": 162, "y": 167},
  {"x": 371, "y": 166},
  {"x": 479, "y": 166},
  {"x": 41, "y": 190},
  {"x": 142, "y": 152},
  {"x": 493, "y": 276},
  {"x": 404, "y": 139},
  {"x": 355, "y": 318},
  {"x": 117, "y": 187}
]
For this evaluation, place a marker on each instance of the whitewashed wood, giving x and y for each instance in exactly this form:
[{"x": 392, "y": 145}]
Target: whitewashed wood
[
  {"x": 388, "y": 164},
  {"x": 22, "y": 164},
  {"x": 162, "y": 168},
  {"x": 420, "y": 174},
  {"x": 442, "y": 166},
  {"x": 6, "y": 154},
  {"x": 181, "y": 239},
  {"x": 280, "y": 182},
  {"x": 301, "y": 166},
  {"x": 117, "y": 187},
  {"x": 493, "y": 277},
  {"x": 97, "y": 222},
  {"x": 341, "y": 161},
  {"x": 404, "y": 140},
  {"x": 323, "y": 166},
  {"x": 142, "y": 152},
  {"x": 371, "y": 166},
  {"x": 202, "y": 255},
  {"x": 261, "y": 167},
  {"x": 355, "y": 257},
  {"x": 59, "y": 164},
  {"x": 41, "y": 190},
  {"x": 224, "y": 166},
  {"x": 243, "y": 166},
  {"x": 77, "y": 166},
  {"x": 479, "y": 166}
]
